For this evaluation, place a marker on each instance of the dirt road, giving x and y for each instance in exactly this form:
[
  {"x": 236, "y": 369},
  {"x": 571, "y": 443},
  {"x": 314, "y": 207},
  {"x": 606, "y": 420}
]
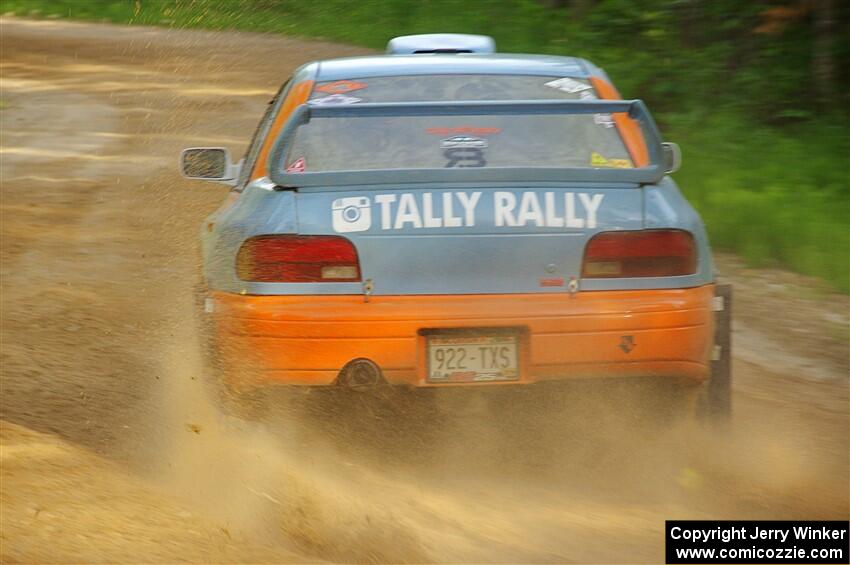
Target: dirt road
[{"x": 111, "y": 451}]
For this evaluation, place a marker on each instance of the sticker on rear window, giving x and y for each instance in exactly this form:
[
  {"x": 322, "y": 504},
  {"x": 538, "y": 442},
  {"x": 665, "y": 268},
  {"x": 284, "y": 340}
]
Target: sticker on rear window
[
  {"x": 335, "y": 100},
  {"x": 606, "y": 120},
  {"x": 597, "y": 160},
  {"x": 567, "y": 84},
  {"x": 463, "y": 141},
  {"x": 297, "y": 166},
  {"x": 464, "y": 157},
  {"x": 463, "y": 130},
  {"x": 340, "y": 87}
]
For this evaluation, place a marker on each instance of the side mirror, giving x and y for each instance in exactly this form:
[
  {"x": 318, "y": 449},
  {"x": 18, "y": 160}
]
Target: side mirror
[
  {"x": 672, "y": 156},
  {"x": 209, "y": 163}
]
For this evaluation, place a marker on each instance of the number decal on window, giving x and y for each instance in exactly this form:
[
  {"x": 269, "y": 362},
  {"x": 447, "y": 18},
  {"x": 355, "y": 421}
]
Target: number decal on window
[{"x": 464, "y": 157}]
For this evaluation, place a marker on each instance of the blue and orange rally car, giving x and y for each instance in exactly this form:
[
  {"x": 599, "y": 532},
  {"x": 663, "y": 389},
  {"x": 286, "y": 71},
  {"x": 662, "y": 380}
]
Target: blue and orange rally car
[{"x": 445, "y": 215}]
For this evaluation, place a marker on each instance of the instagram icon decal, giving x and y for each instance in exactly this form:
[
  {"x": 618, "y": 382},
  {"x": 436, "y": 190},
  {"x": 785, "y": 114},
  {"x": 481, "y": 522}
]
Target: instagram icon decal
[{"x": 351, "y": 214}]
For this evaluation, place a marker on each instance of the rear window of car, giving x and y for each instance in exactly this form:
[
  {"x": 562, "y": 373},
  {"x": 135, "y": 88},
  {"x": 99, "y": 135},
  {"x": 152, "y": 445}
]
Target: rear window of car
[{"x": 414, "y": 142}]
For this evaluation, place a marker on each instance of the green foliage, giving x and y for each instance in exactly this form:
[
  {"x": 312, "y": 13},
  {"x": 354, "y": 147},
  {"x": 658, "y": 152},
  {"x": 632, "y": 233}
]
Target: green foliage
[
  {"x": 763, "y": 161},
  {"x": 772, "y": 195}
]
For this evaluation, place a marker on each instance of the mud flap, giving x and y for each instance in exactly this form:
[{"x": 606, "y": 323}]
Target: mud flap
[
  {"x": 246, "y": 404},
  {"x": 719, "y": 392}
]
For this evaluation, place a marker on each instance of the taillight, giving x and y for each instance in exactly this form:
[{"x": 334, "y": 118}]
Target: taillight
[
  {"x": 298, "y": 258},
  {"x": 647, "y": 253}
]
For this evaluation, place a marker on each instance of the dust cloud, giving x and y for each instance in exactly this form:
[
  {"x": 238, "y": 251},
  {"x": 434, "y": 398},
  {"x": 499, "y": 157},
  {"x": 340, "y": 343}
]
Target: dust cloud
[{"x": 490, "y": 475}]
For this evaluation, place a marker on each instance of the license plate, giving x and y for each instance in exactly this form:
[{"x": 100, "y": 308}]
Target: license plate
[{"x": 472, "y": 358}]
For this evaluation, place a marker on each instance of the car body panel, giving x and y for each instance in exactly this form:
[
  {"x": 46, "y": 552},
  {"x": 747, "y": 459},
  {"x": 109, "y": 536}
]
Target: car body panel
[{"x": 307, "y": 339}]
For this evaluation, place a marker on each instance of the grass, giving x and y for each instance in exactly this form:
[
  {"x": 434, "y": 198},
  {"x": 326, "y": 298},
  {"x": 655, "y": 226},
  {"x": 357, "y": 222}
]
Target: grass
[{"x": 775, "y": 195}]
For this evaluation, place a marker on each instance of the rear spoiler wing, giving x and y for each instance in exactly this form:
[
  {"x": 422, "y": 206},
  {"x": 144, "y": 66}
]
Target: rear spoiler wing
[{"x": 635, "y": 109}]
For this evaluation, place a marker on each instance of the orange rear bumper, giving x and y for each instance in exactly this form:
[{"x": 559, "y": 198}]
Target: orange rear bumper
[{"x": 307, "y": 339}]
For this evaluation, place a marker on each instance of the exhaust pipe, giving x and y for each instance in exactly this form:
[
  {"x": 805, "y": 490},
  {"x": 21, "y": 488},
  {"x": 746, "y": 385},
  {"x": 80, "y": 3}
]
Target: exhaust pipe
[{"x": 360, "y": 375}]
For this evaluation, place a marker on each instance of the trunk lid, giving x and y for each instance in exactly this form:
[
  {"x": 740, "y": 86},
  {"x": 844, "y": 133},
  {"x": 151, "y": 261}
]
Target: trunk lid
[{"x": 467, "y": 239}]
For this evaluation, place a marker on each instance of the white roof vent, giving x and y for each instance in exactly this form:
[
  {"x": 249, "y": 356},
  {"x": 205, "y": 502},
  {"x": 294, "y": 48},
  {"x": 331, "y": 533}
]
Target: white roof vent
[{"x": 441, "y": 43}]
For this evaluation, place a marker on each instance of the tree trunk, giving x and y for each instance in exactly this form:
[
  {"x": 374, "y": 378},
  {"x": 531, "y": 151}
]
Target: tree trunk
[{"x": 823, "y": 63}]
